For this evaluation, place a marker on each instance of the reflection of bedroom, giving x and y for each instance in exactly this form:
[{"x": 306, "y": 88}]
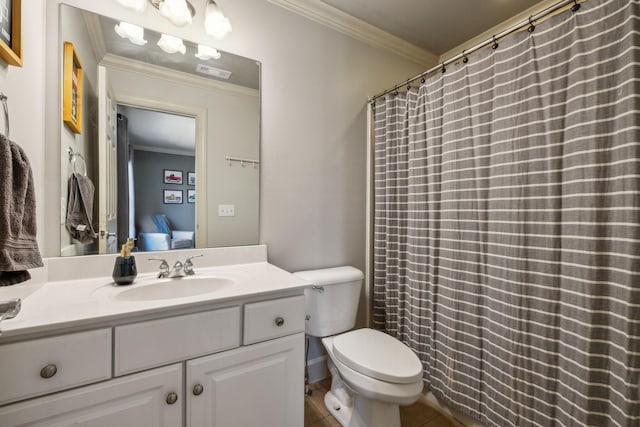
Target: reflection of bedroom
[{"x": 161, "y": 156}]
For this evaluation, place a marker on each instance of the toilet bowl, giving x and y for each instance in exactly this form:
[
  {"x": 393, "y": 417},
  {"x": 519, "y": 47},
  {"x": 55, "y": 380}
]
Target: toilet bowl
[
  {"x": 378, "y": 381},
  {"x": 372, "y": 372}
]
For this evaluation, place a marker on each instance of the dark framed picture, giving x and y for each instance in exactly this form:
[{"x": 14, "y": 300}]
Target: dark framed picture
[
  {"x": 10, "y": 31},
  {"x": 191, "y": 196},
  {"x": 71, "y": 89},
  {"x": 172, "y": 176},
  {"x": 172, "y": 197},
  {"x": 191, "y": 178}
]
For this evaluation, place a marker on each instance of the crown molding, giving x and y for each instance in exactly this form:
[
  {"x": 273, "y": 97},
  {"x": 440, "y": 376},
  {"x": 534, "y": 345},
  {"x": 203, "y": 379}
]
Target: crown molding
[
  {"x": 163, "y": 150},
  {"x": 346, "y": 24},
  {"x": 127, "y": 64},
  {"x": 96, "y": 38}
]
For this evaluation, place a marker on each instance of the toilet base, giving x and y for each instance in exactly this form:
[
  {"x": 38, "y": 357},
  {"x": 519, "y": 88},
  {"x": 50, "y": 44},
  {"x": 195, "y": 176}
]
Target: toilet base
[
  {"x": 364, "y": 413},
  {"x": 374, "y": 413},
  {"x": 339, "y": 411},
  {"x": 355, "y": 410}
]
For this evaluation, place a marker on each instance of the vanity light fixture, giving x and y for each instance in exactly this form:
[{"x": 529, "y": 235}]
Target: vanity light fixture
[
  {"x": 181, "y": 13},
  {"x": 176, "y": 11},
  {"x": 171, "y": 44},
  {"x": 215, "y": 23},
  {"x": 207, "y": 52},
  {"x": 134, "y": 33},
  {"x": 137, "y": 5}
]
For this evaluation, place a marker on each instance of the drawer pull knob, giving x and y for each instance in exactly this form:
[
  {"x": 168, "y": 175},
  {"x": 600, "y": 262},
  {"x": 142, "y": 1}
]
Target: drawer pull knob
[
  {"x": 48, "y": 371},
  {"x": 279, "y": 321},
  {"x": 172, "y": 398},
  {"x": 198, "y": 389}
]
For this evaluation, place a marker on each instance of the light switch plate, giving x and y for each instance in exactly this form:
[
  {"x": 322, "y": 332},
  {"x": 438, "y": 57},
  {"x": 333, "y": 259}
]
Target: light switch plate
[{"x": 226, "y": 210}]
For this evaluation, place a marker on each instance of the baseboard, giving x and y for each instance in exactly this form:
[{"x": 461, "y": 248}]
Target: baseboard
[{"x": 317, "y": 369}]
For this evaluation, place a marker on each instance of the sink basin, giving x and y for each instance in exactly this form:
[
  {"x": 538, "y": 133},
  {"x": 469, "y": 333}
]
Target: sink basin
[{"x": 174, "y": 288}]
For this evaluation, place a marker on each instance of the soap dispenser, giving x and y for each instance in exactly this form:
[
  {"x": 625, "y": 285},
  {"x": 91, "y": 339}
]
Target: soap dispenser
[{"x": 124, "y": 271}]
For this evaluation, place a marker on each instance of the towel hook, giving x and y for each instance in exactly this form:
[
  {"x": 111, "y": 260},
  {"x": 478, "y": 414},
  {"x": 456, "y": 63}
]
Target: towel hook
[
  {"x": 73, "y": 159},
  {"x": 3, "y": 98}
]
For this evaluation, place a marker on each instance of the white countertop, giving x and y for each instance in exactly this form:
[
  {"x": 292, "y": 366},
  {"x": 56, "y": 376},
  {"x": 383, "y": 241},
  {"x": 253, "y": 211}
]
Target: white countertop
[{"x": 57, "y": 306}]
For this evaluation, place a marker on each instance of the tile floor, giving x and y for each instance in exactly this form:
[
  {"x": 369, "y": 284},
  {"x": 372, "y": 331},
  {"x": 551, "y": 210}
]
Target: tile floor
[{"x": 416, "y": 415}]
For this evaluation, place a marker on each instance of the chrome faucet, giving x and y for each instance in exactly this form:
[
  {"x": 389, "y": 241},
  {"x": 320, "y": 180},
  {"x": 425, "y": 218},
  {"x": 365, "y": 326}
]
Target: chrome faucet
[
  {"x": 9, "y": 309},
  {"x": 178, "y": 270},
  {"x": 188, "y": 265},
  {"x": 163, "y": 268}
]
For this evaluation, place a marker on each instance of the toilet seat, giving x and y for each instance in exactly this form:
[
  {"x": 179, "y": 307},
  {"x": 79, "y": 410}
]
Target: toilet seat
[{"x": 377, "y": 355}]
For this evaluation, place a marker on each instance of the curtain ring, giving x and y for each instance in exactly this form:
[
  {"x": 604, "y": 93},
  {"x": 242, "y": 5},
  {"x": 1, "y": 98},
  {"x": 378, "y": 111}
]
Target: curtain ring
[
  {"x": 423, "y": 80},
  {"x": 531, "y": 26},
  {"x": 443, "y": 69},
  {"x": 575, "y": 6},
  {"x": 465, "y": 58},
  {"x": 409, "y": 87},
  {"x": 495, "y": 43}
]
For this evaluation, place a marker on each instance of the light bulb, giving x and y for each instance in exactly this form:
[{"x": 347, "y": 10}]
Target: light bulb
[
  {"x": 206, "y": 52},
  {"x": 137, "y": 5},
  {"x": 133, "y": 33},
  {"x": 171, "y": 44},
  {"x": 176, "y": 11},
  {"x": 215, "y": 23}
]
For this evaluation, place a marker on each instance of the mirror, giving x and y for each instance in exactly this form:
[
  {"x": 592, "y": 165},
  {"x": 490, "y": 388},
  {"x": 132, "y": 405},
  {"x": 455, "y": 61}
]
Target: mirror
[{"x": 171, "y": 143}]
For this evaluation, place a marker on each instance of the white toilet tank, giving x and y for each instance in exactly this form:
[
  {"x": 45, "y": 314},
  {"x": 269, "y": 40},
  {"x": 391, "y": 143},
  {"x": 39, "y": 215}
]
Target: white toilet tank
[{"x": 332, "y": 304}]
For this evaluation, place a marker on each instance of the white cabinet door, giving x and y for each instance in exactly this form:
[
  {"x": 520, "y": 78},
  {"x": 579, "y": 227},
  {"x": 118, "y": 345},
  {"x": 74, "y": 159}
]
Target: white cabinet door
[
  {"x": 135, "y": 401},
  {"x": 261, "y": 385}
]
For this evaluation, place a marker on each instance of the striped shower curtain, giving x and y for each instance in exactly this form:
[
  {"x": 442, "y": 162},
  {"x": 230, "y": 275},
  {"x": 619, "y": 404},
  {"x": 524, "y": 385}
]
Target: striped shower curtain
[{"x": 506, "y": 241}]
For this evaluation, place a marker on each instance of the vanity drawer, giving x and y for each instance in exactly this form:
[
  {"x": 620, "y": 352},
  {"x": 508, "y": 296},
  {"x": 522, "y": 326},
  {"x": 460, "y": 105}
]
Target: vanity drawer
[
  {"x": 271, "y": 319},
  {"x": 32, "y": 368},
  {"x": 161, "y": 342}
]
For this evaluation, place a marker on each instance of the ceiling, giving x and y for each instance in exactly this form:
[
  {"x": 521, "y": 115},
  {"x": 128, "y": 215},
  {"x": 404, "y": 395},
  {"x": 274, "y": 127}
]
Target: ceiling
[
  {"x": 159, "y": 131},
  {"x": 435, "y": 25}
]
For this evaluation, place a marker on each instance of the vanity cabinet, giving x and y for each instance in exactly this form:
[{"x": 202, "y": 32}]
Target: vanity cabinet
[
  {"x": 258, "y": 386},
  {"x": 200, "y": 367},
  {"x": 36, "y": 367},
  {"x": 137, "y": 400}
]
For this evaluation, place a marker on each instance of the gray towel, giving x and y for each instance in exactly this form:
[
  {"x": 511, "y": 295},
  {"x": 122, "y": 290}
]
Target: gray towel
[
  {"x": 79, "y": 221},
  {"x": 18, "y": 245}
]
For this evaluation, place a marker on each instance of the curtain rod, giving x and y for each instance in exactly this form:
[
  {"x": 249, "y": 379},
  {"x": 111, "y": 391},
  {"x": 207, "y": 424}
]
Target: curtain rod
[{"x": 491, "y": 40}]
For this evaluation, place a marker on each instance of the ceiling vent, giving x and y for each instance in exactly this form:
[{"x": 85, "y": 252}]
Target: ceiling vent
[{"x": 211, "y": 71}]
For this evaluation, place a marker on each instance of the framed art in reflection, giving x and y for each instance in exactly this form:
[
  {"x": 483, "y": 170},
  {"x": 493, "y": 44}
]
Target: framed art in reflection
[
  {"x": 71, "y": 89},
  {"x": 172, "y": 176},
  {"x": 172, "y": 197}
]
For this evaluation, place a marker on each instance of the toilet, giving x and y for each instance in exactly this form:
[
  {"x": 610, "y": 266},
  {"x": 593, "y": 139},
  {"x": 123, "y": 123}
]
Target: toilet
[{"x": 372, "y": 372}]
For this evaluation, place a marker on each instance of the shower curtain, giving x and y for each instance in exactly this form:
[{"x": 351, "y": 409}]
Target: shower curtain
[{"x": 506, "y": 224}]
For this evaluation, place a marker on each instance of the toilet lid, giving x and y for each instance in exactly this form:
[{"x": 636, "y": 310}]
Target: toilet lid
[{"x": 377, "y": 355}]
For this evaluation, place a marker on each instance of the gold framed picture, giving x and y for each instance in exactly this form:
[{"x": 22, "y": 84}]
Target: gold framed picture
[
  {"x": 10, "y": 31},
  {"x": 71, "y": 89}
]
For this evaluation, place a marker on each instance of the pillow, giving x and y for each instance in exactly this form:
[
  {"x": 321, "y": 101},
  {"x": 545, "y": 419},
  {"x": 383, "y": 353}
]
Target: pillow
[{"x": 162, "y": 222}]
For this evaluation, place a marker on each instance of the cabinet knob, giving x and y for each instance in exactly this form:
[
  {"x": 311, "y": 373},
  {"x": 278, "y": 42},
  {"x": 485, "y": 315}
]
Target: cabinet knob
[
  {"x": 48, "y": 371},
  {"x": 172, "y": 398},
  {"x": 198, "y": 389},
  {"x": 279, "y": 321}
]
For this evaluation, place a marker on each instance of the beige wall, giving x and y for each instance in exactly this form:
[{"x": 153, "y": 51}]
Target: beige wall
[
  {"x": 315, "y": 84},
  {"x": 84, "y": 143}
]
